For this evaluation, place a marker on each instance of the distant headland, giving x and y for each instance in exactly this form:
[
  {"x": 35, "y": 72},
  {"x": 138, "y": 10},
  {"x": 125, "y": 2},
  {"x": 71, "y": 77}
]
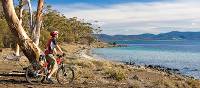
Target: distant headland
[{"x": 174, "y": 35}]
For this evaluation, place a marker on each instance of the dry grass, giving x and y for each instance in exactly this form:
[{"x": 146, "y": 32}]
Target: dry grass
[
  {"x": 84, "y": 63},
  {"x": 84, "y": 73},
  {"x": 102, "y": 65},
  {"x": 193, "y": 83},
  {"x": 163, "y": 84},
  {"x": 116, "y": 73},
  {"x": 5, "y": 51},
  {"x": 102, "y": 72},
  {"x": 96, "y": 70}
]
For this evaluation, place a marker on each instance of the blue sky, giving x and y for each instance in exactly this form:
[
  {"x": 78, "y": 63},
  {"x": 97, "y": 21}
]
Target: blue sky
[
  {"x": 99, "y": 2},
  {"x": 134, "y": 16}
]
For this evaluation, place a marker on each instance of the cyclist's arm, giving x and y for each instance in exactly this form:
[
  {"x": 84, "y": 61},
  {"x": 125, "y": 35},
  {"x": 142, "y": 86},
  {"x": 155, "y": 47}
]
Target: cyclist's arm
[
  {"x": 58, "y": 47},
  {"x": 55, "y": 51}
]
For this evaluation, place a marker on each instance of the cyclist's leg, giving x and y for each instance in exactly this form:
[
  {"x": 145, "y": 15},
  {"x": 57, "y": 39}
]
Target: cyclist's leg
[
  {"x": 54, "y": 66},
  {"x": 42, "y": 62}
]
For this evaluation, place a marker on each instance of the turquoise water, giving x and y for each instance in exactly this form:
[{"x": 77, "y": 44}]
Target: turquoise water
[{"x": 182, "y": 55}]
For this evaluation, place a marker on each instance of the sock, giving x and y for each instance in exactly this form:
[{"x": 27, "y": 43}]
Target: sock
[{"x": 48, "y": 76}]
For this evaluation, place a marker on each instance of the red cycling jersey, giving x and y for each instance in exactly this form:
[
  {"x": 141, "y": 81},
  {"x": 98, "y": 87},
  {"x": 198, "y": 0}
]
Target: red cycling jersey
[{"x": 51, "y": 44}]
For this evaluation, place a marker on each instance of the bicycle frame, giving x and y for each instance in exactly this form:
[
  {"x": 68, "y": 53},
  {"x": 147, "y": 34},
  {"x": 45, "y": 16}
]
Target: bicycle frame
[
  {"x": 59, "y": 61},
  {"x": 46, "y": 64}
]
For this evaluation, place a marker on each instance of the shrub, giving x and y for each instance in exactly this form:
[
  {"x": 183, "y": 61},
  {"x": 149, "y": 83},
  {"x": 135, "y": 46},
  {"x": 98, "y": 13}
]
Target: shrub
[
  {"x": 117, "y": 74},
  {"x": 193, "y": 83},
  {"x": 84, "y": 63}
]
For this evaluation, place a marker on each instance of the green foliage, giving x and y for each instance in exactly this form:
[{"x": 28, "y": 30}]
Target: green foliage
[
  {"x": 193, "y": 83},
  {"x": 44, "y": 38},
  {"x": 71, "y": 30},
  {"x": 116, "y": 73},
  {"x": 6, "y": 38}
]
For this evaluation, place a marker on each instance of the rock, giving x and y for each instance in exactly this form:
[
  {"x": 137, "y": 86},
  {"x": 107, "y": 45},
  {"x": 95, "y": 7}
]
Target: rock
[
  {"x": 1, "y": 50},
  {"x": 135, "y": 77},
  {"x": 129, "y": 62},
  {"x": 194, "y": 70},
  {"x": 30, "y": 86},
  {"x": 12, "y": 57},
  {"x": 150, "y": 66},
  {"x": 162, "y": 68},
  {"x": 85, "y": 82}
]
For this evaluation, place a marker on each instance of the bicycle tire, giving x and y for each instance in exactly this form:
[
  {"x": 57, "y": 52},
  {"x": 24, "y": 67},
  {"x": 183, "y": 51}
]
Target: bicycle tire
[
  {"x": 65, "y": 75},
  {"x": 29, "y": 74}
]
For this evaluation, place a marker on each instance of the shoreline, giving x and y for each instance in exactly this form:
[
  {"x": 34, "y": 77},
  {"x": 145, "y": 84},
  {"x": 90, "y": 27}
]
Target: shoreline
[
  {"x": 93, "y": 72},
  {"x": 168, "y": 70}
]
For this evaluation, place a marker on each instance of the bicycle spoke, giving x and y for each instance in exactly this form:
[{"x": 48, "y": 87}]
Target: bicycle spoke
[
  {"x": 32, "y": 76},
  {"x": 65, "y": 75}
]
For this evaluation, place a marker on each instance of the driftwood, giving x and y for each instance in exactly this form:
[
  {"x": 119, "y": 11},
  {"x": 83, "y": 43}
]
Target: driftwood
[
  {"x": 13, "y": 73},
  {"x": 12, "y": 57}
]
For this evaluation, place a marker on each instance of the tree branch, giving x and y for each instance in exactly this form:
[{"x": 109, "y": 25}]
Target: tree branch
[
  {"x": 38, "y": 22},
  {"x": 31, "y": 14},
  {"x": 20, "y": 11},
  {"x": 30, "y": 50}
]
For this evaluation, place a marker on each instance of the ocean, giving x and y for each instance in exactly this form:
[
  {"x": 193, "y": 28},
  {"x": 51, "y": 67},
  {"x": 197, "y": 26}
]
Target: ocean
[{"x": 177, "y": 54}]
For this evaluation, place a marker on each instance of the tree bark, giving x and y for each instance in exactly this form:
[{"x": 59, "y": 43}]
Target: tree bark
[
  {"x": 17, "y": 50},
  {"x": 38, "y": 23},
  {"x": 31, "y": 14},
  {"x": 29, "y": 48},
  {"x": 20, "y": 22},
  {"x": 21, "y": 9}
]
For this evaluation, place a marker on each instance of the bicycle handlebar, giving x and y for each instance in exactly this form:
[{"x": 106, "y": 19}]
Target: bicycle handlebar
[{"x": 58, "y": 55}]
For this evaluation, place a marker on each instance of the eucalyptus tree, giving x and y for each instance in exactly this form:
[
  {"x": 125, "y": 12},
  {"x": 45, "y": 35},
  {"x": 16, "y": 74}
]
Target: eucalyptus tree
[
  {"x": 21, "y": 4},
  {"x": 29, "y": 48},
  {"x": 35, "y": 29},
  {"x": 38, "y": 23}
]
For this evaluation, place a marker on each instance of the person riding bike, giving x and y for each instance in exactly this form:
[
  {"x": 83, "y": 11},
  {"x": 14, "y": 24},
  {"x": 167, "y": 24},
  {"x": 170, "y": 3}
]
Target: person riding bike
[{"x": 50, "y": 51}]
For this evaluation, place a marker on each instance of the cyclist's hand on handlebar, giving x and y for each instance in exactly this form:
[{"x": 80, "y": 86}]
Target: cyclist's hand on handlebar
[
  {"x": 57, "y": 55},
  {"x": 60, "y": 55},
  {"x": 63, "y": 54}
]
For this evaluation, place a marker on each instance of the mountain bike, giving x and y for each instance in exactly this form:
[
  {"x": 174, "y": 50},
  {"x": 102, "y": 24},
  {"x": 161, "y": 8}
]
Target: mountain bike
[{"x": 36, "y": 74}]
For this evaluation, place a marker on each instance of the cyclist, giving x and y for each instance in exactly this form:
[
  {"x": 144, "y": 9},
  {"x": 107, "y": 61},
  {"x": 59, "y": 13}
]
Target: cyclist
[{"x": 51, "y": 50}]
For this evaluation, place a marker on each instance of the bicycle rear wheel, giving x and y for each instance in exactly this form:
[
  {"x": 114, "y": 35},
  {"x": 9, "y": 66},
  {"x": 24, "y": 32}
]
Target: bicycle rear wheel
[
  {"x": 31, "y": 76},
  {"x": 65, "y": 75}
]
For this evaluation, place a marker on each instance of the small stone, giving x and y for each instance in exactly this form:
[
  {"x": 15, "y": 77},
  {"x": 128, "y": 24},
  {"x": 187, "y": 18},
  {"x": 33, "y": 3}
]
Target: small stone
[
  {"x": 135, "y": 77},
  {"x": 85, "y": 82}
]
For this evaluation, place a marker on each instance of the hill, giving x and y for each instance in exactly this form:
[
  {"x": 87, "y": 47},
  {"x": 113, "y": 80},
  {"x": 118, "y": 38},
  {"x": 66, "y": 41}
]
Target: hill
[{"x": 174, "y": 35}]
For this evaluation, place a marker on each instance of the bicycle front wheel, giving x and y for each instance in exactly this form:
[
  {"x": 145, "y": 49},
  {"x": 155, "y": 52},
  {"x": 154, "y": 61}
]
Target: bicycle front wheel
[{"x": 65, "y": 75}]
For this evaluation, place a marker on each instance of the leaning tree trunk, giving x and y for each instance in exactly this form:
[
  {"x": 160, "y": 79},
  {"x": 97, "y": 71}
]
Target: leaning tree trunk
[
  {"x": 29, "y": 48},
  {"x": 38, "y": 23}
]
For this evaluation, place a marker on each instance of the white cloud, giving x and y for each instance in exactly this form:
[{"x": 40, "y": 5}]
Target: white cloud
[{"x": 137, "y": 18}]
